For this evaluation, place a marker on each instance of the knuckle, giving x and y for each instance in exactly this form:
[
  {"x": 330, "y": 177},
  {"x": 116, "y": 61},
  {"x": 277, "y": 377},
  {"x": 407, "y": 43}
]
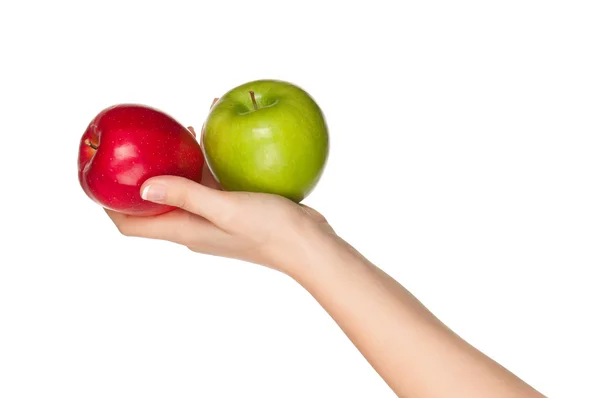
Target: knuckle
[
  {"x": 182, "y": 200},
  {"x": 227, "y": 217},
  {"x": 124, "y": 229},
  {"x": 181, "y": 231},
  {"x": 227, "y": 212},
  {"x": 197, "y": 249},
  {"x": 179, "y": 199}
]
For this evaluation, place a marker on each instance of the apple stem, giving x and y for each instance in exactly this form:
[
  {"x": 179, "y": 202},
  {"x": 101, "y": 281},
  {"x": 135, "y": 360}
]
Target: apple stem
[
  {"x": 89, "y": 143},
  {"x": 253, "y": 100}
]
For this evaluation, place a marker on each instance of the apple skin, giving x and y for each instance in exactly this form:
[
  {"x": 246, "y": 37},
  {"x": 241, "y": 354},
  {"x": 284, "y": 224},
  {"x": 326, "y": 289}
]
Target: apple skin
[
  {"x": 126, "y": 144},
  {"x": 279, "y": 147}
]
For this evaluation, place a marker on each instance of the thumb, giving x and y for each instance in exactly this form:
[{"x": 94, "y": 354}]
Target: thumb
[{"x": 214, "y": 205}]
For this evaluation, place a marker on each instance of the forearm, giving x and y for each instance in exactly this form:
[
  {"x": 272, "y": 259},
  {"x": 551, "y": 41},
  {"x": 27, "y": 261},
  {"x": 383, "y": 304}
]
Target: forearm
[{"x": 409, "y": 347}]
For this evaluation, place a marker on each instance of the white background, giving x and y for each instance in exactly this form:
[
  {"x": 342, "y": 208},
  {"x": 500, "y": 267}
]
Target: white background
[{"x": 464, "y": 162}]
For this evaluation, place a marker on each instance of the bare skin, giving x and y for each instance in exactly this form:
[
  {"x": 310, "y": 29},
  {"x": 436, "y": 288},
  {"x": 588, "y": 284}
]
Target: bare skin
[{"x": 412, "y": 350}]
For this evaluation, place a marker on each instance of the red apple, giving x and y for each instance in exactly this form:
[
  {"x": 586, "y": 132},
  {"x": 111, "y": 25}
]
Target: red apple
[{"x": 126, "y": 144}]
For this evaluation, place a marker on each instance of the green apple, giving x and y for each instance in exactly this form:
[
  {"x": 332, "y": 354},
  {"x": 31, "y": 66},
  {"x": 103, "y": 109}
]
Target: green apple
[{"x": 267, "y": 136}]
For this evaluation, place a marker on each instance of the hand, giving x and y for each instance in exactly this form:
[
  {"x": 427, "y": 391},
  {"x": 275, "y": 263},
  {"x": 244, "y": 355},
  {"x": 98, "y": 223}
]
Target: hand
[{"x": 260, "y": 228}]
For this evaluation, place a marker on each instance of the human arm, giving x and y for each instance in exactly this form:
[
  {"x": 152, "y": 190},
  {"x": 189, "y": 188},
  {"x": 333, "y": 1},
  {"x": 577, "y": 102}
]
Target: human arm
[
  {"x": 411, "y": 349},
  {"x": 416, "y": 354}
]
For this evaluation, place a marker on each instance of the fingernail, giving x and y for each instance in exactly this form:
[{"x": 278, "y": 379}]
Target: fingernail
[{"x": 154, "y": 193}]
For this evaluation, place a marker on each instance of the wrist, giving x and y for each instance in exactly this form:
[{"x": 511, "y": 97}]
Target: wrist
[{"x": 305, "y": 248}]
